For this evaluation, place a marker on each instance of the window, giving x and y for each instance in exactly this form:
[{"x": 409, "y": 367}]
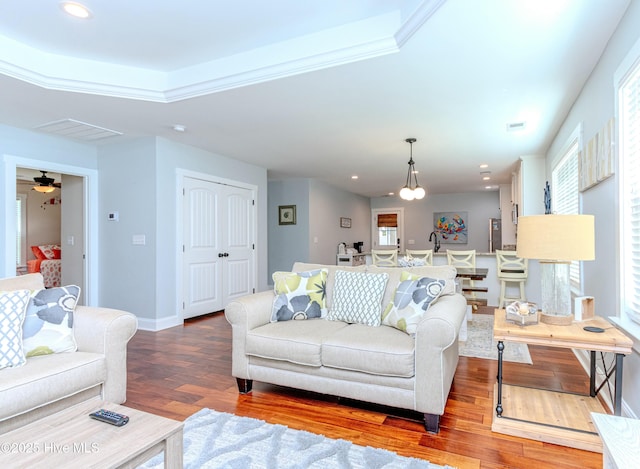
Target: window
[
  {"x": 629, "y": 171},
  {"x": 387, "y": 229},
  {"x": 565, "y": 196}
]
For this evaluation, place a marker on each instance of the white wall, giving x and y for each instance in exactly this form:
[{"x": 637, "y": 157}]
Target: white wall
[{"x": 593, "y": 108}]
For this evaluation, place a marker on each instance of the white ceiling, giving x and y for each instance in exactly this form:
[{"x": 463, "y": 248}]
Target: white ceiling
[{"x": 325, "y": 89}]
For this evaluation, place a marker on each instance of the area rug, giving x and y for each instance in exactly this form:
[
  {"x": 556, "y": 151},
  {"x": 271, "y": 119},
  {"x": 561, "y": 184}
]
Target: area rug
[
  {"x": 480, "y": 343},
  {"x": 220, "y": 440}
]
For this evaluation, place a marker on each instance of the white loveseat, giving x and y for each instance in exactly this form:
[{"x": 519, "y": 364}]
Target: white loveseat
[
  {"x": 48, "y": 383},
  {"x": 381, "y": 365}
]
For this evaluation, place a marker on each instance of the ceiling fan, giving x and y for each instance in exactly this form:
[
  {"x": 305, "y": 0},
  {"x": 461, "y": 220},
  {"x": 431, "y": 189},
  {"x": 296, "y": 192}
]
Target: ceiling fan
[{"x": 45, "y": 184}]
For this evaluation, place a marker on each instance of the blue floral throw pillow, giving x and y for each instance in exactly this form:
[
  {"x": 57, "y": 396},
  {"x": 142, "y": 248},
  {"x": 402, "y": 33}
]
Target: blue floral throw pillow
[
  {"x": 48, "y": 326},
  {"x": 299, "y": 295},
  {"x": 411, "y": 300}
]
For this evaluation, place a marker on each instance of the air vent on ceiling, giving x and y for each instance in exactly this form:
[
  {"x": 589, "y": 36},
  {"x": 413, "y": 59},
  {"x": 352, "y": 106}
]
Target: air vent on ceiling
[
  {"x": 515, "y": 126},
  {"x": 72, "y": 128}
]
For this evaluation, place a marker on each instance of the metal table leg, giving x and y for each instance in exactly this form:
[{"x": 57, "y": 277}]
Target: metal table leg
[{"x": 499, "y": 404}]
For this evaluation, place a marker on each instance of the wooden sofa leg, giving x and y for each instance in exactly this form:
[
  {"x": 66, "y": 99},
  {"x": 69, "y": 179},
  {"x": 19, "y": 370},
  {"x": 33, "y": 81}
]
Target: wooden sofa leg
[
  {"x": 244, "y": 385},
  {"x": 432, "y": 423}
]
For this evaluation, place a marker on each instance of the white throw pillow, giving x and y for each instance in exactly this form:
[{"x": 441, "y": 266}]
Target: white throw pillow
[
  {"x": 13, "y": 306},
  {"x": 357, "y": 297}
]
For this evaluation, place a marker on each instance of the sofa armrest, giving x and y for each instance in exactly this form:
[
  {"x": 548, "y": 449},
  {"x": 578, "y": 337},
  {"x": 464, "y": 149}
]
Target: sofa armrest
[
  {"x": 244, "y": 314},
  {"x": 107, "y": 331},
  {"x": 437, "y": 352}
]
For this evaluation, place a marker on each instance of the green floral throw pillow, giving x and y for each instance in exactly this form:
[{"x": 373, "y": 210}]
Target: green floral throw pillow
[
  {"x": 299, "y": 295},
  {"x": 412, "y": 298}
]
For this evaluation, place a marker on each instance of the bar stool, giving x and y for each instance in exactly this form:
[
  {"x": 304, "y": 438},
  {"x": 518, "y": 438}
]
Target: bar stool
[
  {"x": 425, "y": 255},
  {"x": 384, "y": 257},
  {"x": 511, "y": 269},
  {"x": 465, "y": 259}
]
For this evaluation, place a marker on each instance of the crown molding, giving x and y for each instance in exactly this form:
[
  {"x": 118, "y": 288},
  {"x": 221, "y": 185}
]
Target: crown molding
[{"x": 361, "y": 40}]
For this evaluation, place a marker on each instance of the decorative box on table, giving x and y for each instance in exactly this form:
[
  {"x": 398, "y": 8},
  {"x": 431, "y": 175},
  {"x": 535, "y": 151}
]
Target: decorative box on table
[{"x": 522, "y": 313}]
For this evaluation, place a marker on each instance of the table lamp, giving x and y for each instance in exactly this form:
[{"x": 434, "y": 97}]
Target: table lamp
[{"x": 556, "y": 240}]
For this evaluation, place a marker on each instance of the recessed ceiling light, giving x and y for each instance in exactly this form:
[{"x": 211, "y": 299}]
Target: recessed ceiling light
[
  {"x": 391, "y": 193},
  {"x": 486, "y": 178},
  {"x": 179, "y": 128},
  {"x": 488, "y": 187},
  {"x": 76, "y": 9},
  {"x": 355, "y": 176},
  {"x": 484, "y": 165}
]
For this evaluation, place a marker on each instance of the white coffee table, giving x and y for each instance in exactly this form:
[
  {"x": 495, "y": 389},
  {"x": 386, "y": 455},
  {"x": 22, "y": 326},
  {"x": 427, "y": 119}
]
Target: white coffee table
[{"x": 71, "y": 439}]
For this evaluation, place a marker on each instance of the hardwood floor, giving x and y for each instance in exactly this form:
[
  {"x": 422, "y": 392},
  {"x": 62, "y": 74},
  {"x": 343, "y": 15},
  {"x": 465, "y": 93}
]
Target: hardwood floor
[{"x": 178, "y": 371}]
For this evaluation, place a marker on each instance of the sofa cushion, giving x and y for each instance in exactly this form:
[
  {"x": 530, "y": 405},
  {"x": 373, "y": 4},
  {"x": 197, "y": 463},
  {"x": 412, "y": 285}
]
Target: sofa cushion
[
  {"x": 357, "y": 297},
  {"x": 292, "y": 341},
  {"x": 412, "y": 298},
  {"x": 299, "y": 295},
  {"x": 13, "y": 305},
  {"x": 48, "y": 378},
  {"x": 375, "y": 350},
  {"x": 48, "y": 327},
  {"x": 23, "y": 282}
]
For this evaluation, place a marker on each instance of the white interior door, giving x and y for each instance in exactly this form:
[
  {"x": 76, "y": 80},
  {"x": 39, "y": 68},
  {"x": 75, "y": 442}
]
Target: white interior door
[{"x": 218, "y": 262}]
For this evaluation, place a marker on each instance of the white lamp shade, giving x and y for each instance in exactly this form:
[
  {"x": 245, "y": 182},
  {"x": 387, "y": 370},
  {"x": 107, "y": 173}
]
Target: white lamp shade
[{"x": 556, "y": 237}]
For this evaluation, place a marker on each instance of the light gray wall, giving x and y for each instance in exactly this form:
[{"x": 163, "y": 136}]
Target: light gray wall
[
  {"x": 328, "y": 204},
  {"x": 127, "y": 173},
  {"x": 31, "y": 145},
  {"x": 288, "y": 243},
  {"x": 143, "y": 279},
  {"x": 593, "y": 108},
  {"x": 418, "y": 217},
  {"x": 317, "y": 233}
]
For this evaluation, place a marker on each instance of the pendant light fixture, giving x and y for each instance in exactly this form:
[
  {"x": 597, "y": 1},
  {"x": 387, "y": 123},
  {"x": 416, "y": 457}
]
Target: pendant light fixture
[
  {"x": 44, "y": 183},
  {"x": 412, "y": 189}
]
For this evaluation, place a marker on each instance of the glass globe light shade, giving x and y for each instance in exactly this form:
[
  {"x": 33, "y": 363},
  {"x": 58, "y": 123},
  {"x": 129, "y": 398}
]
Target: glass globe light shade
[
  {"x": 419, "y": 193},
  {"x": 406, "y": 193}
]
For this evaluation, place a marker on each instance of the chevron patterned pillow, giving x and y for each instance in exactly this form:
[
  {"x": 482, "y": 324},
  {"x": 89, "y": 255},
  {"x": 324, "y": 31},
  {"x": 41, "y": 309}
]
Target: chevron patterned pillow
[{"x": 357, "y": 297}]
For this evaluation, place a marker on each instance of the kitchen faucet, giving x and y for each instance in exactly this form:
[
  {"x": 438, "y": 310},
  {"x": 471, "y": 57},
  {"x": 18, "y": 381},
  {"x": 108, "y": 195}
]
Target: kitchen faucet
[{"x": 436, "y": 246}]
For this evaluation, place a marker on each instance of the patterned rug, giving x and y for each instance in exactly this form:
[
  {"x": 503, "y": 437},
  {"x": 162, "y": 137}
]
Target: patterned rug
[
  {"x": 480, "y": 343},
  {"x": 220, "y": 440}
]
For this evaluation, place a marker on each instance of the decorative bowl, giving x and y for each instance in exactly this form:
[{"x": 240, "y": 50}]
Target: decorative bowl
[{"x": 522, "y": 313}]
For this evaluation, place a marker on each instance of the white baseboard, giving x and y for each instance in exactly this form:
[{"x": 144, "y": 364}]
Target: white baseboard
[{"x": 159, "y": 324}]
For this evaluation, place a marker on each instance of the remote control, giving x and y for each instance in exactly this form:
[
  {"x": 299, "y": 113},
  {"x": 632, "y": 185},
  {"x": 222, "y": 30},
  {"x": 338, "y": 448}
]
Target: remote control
[{"x": 108, "y": 416}]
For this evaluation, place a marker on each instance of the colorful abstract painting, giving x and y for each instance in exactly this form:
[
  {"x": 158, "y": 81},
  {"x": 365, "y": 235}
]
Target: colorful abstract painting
[{"x": 451, "y": 227}]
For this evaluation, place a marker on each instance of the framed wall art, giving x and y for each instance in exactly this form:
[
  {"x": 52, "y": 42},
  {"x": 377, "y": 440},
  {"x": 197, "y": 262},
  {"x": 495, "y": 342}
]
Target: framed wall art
[
  {"x": 345, "y": 222},
  {"x": 451, "y": 226},
  {"x": 286, "y": 215}
]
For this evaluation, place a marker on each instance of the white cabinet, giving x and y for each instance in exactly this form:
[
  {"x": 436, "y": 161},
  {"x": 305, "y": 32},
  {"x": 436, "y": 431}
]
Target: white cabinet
[
  {"x": 351, "y": 259},
  {"x": 527, "y": 186}
]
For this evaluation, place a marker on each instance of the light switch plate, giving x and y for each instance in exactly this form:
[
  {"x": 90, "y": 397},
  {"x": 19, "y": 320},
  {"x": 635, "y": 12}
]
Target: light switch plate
[{"x": 139, "y": 240}]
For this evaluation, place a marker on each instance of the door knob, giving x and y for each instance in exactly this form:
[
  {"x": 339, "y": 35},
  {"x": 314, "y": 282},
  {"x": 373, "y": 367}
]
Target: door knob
[
  {"x": 226, "y": 254},
  {"x": 220, "y": 254}
]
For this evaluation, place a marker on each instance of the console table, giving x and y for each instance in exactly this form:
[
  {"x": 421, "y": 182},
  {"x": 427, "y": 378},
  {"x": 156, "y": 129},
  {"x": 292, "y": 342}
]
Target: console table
[{"x": 556, "y": 417}]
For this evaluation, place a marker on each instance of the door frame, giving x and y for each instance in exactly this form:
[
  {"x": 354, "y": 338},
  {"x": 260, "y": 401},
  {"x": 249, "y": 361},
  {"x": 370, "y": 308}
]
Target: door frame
[
  {"x": 181, "y": 174},
  {"x": 374, "y": 225},
  {"x": 90, "y": 225}
]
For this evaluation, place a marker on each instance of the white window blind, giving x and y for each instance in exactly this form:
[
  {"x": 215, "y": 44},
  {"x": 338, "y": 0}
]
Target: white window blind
[
  {"x": 629, "y": 136},
  {"x": 565, "y": 199}
]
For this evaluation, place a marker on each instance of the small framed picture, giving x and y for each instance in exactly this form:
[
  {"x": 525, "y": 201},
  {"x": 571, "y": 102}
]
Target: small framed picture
[
  {"x": 286, "y": 214},
  {"x": 345, "y": 222}
]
